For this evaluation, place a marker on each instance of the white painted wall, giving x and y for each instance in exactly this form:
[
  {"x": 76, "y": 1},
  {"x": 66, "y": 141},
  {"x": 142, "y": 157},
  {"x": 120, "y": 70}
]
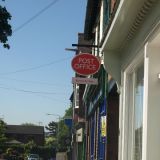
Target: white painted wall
[{"x": 153, "y": 109}]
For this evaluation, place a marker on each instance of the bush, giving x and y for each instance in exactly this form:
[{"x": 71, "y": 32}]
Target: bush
[{"x": 18, "y": 152}]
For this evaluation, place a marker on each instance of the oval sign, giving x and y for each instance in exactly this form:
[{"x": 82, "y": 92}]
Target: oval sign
[{"x": 85, "y": 64}]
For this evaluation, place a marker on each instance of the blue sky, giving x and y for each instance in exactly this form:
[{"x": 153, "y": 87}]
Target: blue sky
[{"x": 36, "y": 73}]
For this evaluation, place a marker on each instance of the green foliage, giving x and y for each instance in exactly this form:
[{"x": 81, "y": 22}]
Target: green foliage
[
  {"x": 2, "y": 132},
  {"x": 63, "y": 137},
  {"x": 5, "y": 27},
  {"x": 9, "y": 151},
  {"x": 60, "y": 133},
  {"x": 51, "y": 141},
  {"x": 69, "y": 112},
  {"x": 29, "y": 146},
  {"x": 52, "y": 128}
]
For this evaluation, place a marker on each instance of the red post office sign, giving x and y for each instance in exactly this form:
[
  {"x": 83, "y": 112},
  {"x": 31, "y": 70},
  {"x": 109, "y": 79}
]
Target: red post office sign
[{"x": 85, "y": 64}]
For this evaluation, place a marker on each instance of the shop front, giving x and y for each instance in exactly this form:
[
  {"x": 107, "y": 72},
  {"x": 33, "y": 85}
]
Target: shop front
[{"x": 101, "y": 103}]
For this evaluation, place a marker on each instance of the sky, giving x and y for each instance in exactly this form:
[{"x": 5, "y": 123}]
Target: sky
[{"x": 36, "y": 72}]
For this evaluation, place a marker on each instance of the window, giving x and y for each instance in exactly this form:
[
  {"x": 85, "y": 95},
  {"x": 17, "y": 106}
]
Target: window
[
  {"x": 138, "y": 113},
  {"x": 105, "y": 13},
  {"x": 76, "y": 96},
  {"x": 133, "y": 126}
]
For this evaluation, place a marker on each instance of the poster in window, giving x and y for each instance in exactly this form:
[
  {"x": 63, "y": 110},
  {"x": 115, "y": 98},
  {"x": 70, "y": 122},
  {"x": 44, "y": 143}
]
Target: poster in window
[{"x": 103, "y": 126}]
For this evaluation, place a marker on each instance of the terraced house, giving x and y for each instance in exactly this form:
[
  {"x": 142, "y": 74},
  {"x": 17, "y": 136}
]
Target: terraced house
[{"x": 127, "y": 34}]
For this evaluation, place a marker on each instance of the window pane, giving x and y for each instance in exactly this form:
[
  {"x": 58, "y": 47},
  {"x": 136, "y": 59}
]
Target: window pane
[
  {"x": 139, "y": 86},
  {"x": 105, "y": 14}
]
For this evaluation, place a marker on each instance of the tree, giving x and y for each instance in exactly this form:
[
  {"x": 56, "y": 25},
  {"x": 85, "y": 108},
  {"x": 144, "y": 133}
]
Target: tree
[
  {"x": 52, "y": 128},
  {"x": 60, "y": 132},
  {"x": 5, "y": 27},
  {"x": 2, "y": 132},
  {"x": 29, "y": 146},
  {"x": 64, "y": 136},
  {"x": 69, "y": 112},
  {"x": 51, "y": 141}
]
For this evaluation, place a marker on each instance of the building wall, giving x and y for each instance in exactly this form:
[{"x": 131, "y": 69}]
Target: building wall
[
  {"x": 130, "y": 42},
  {"x": 152, "y": 98},
  {"x": 25, "y": 134}
]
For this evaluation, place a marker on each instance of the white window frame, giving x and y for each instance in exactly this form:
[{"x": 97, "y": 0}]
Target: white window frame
[{"x": 126, "y": 141}]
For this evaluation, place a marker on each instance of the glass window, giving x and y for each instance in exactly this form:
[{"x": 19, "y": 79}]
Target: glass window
[{"x": 138, "y": 113}]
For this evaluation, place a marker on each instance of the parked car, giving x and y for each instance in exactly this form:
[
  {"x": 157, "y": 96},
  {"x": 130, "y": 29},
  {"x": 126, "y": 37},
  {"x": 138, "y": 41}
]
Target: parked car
[{"x": 33, "y": 157}]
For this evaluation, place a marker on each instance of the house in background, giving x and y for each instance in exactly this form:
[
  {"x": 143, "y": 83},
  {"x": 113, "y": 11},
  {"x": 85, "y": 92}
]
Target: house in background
[{"x": 24, "y": 134}]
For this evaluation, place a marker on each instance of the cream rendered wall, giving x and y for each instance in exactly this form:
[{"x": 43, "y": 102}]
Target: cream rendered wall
[{"x": 153, "y": 101}]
